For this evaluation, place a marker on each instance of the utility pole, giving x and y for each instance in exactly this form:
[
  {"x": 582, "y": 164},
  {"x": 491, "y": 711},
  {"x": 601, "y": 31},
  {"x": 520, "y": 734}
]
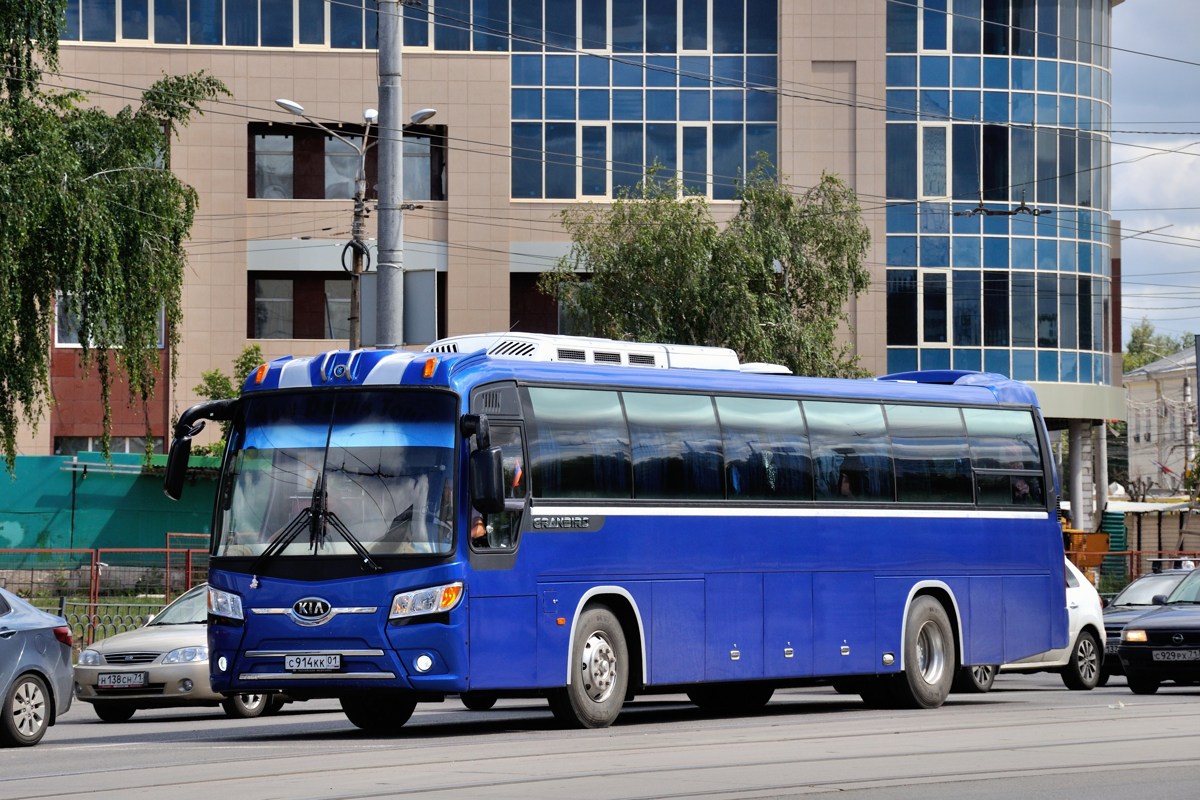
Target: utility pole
[{"x": 389, "y": 324}]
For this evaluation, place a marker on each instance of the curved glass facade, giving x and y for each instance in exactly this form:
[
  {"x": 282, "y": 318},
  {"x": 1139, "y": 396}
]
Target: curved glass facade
[{"x": 998, "y": 257}]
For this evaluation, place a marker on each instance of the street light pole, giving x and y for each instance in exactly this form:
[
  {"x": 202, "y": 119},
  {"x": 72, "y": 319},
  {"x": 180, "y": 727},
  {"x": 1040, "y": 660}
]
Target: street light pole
[
  {"x": 389, "y": 287},
  {"x": 358, "y": 225}
]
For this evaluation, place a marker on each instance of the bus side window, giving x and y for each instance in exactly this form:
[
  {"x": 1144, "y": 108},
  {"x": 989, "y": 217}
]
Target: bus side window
[{"x": 504, "y": 527}]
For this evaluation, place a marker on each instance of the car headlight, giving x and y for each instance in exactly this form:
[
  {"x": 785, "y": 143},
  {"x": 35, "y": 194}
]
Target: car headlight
[
  {"x": 1133, "y": 635},
  {"x": 433, "y": 600},
  {"x": 186, "y": 655},
  {"x": 224, "y": 604},
  {"x": 90, "y": 658}
]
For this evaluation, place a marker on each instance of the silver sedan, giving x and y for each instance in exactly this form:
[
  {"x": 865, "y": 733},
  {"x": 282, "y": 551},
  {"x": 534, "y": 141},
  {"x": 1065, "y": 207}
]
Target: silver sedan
[{"x": 35, "y": 671}]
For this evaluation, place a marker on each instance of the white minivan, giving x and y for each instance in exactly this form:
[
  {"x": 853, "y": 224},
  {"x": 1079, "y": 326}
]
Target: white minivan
[{"x": 1078, "y": 664}]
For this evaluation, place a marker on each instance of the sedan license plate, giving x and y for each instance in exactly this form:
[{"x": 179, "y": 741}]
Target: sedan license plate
[
  {"x": 322, "y": 663},
  {"x": 1175, "y": 655},
  {"x": 121, "y": 680}
]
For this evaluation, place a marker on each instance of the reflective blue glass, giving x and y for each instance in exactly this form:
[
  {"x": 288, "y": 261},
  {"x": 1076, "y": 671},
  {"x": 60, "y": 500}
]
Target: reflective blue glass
[
  {"x": 661, "y": 104},
  {"x": 1066, "y": 110},
  {"x": 694, "y": 72},
  {"x": 762, "y": 27},
  {"x": 560, "y": 104},
  {"x": 170, "y": 22},
  {"x": 935, "y": 104},
  {"x": 934, "y": 217},
  {"x": 966, "y": 251},
  {"x": 527, "y": 33},
  {"x": 204, "y": 22},
  {"x": 996, "y": 361},
  {"x": 935, "y": 71},
  {"x": 934, "y": 251},
  {"x": 311, "y": 19},
  {"x": 1024, "y": 365},
  {"x": 1085, "y": 368},
  {"x": 661, "y": 26},
  {"x": 902, "y": 104},
  {"x": 593, "y": 70},
  {"x": 966, "y": 26},
  {"x": 100, "y": 20},
  {"x": 627, "y": 26},
  {"x": 995, "y": 252},
  {"x": 996, "y": 225},
  {"x": 627, "y": 71},
  {"x": 1023, "y": 253},
  {"x": 695, "y": 105},
  {"x": 627, "y": 104},
  {"x": 416, "y": 27},
  {"x": 901, "y": 28},
  {"x": 1022, "y": 225},
  {"x": 527, "y": 103},
  {"x": 761, "y": 106},
  {"x": 1085, "y": 257},
  {"x": 966, "y": 224},
  {"x": 729, "y": 70},
  {"x": 901, "y": 160},
  {"x": 1066, "y": 78},
  {"x": 526, "y": 160},
  {"x": 762, "y": 139},
  {"x": 594, "y": 150},
  {"x": 560, "y": 160},
  {"x": 762, "y": 71},
  {"x": 661, "y": 148},
  {"x": 346, "y": 25},
  {"x": 902, "y": 70},
  {"x": 1047, "y": 365},
  {"x": 729, "y": 105},
  {"x": 965, "y": 105},
  {"x": 995, "y": 107},
  {"x": 1022, "y": 108},
  {"x": 527, "y": 70},
  {"x": 1047, "y": 109},
  {"x": 1070, "y": 367},
  {"x": 695, "y": 24},
  {"x": 593, "y": 104},
  {"x": 728, "y": 152},
  {"x": 1066, "y": 256},
  {"x": 901, "y": 218},
  {"x": 68, "y": 29},
  {"x": 594, "y": 25},
  {"x": 901, "y": 251},
  {"x": 695, "y": 160},
  {"x": 135, "y": 21},
  {"x": 1083, "y": 82},
  {"x": 371, "y": 25},
  {"x": 627, "y": 155},
  {"x": 490, "y": 19},
  {"x": 934, "y": 24},
  {"x": 1085, "y": 115},
  {"x": 995, "y": 73},
  {"x": 560, "y": 70},
  {"x": 451, "y": 24},
  {"x": 901, "y": 359},
  {"x": 662, "y": 71},
  {"x": 728, "y": 28},
  {"x": 967, "y": 314},
  {"x": 966, "y": 72},
  {"x": 938, "y": 358},
  {"x": 968, "y": 359},
  {"x": 1024, "y": 74}
]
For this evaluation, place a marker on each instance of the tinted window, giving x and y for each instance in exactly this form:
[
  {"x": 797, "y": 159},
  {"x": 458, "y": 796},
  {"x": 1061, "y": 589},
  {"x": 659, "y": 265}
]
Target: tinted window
[
  {"x": 766, "y": 449},
  {"x": 676, "y": 446},
  {"x": 579, "y": 446},
  {"x": 929, "y": 446},
  {"x": 1006, "y": 456},
  {"x": 851, "y": 456}
]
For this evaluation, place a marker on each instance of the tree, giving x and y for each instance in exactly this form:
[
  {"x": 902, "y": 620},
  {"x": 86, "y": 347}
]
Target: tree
[
  {"x": 772, "y": 284},
  {"x": 89, "y": 212},
  {"x": 216, "y": 385},
  {"x": 1145, "y": 345}
]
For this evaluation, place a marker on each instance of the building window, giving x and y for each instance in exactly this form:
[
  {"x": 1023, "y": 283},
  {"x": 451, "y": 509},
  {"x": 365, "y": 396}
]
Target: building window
[
  {"x": 66, "y": 325},
  {"x": 309, "y": 305},
  {"x": 71, "y": 445},
  {"x": 302, "y": 162}
]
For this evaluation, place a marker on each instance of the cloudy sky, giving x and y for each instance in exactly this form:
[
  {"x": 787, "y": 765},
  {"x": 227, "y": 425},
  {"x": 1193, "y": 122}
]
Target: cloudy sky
[{"x": 1156, "y": 108}]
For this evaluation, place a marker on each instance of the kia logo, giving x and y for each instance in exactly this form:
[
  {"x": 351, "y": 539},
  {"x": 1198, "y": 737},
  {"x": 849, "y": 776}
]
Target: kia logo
[{"x": 310, "y": 609}]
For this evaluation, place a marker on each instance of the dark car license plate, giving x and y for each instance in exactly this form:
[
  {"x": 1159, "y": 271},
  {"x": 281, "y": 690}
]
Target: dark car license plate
[
  {"x": 322, "y": 663},
  {"x": 121, "y": 680},
  {"x": 1110, "y": 648},
  {"x": 1175, "y": 655}
]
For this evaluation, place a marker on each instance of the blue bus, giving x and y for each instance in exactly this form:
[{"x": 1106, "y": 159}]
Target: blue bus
[{"x": 586, "y": 521}]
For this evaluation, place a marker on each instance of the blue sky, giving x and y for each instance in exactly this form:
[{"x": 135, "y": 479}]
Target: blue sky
[{"x": 1152, "y": 189}]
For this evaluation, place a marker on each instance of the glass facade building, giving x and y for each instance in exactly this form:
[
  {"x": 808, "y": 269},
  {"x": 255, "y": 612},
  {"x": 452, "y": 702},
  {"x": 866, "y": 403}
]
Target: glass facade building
[{"x": 998, "y": 254}]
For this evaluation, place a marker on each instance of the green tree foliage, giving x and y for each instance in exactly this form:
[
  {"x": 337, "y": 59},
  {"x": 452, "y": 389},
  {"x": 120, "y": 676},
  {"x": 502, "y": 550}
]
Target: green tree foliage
[
  {"x": 88, "y": 209},
  {"x": 772, "y": 284},
  {"x": 216, "y": 385},
  {"x": 1145, "y": 345}
]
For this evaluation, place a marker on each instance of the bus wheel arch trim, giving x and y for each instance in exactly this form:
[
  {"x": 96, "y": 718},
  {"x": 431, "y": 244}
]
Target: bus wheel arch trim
[
  {"x": 935, "y": 589},
  {"x": 597, "y": 595}
]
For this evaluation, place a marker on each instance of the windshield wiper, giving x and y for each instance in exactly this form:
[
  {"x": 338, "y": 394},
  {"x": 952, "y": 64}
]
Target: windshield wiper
[
  {"x": 306, "y": 517},
  {"x": 355, "y": 545}
]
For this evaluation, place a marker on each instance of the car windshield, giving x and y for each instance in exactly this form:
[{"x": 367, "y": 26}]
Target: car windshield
[
  {"x": 364, "y": 472},
  {"x": 188, "y": 609},
  {"x": 1188, "y": 590},
  {"x": 1143, "y": 591}
]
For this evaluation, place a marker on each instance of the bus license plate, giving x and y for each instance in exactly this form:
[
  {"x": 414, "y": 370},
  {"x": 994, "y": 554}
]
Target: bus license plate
[
  {"x": 121, "y": 680},
  {"x": 322, "y": 663},
  {"x": 1176, "y": 655}
]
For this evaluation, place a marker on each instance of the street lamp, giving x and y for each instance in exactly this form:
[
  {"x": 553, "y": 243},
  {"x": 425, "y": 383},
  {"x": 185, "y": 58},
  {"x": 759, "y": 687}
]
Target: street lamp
[{"x": 358, "y": 226}]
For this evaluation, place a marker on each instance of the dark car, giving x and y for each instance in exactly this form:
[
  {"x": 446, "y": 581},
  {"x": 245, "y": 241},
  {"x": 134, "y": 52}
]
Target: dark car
[
  {"x": 35, "y": 671},
  {"x": 1164, "y": 644},
  {"x": 1134, "y": 600}
]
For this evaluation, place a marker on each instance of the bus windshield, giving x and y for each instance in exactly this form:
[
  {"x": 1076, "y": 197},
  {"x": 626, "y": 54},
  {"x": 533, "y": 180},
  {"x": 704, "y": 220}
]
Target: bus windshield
[{"x": 314, "y": 473}]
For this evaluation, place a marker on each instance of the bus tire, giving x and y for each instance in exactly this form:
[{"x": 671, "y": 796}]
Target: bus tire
[
  {"x": 114, "y": 711},
  {"x": 1082, "y": 672},
  {"x": 379, "y": 714},
  {"x": 245, "y": 706},
  {"x": 478, "y": 701},
  {"x": 599, "y": 673},
  {"x": 975, "y": 680},
  {"x": 727, "y": 698},
  {"x": 928, "y": 656}
]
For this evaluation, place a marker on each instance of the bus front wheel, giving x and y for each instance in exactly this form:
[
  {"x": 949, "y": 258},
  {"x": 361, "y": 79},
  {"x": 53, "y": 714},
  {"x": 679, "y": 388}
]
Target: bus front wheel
[
  {"x": 928, "y": 656},
  {"x": 599, "y": 673},
  {"x": 378, "y": 714}
]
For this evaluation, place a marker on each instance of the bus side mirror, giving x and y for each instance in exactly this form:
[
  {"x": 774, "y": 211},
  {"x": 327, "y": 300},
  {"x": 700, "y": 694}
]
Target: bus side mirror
[
  {"x": 188, "y": 426},
  {"x": 177, "y": 464},
  {"x": 486, "y": 476}
]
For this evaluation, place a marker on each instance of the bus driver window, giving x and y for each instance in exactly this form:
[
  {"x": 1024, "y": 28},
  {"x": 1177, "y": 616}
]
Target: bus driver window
[{"x": 499, "y": 531}]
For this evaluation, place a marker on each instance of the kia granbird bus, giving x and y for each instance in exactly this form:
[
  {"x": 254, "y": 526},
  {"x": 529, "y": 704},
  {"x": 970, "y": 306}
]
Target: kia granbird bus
[{"x": 514, "y": 515}]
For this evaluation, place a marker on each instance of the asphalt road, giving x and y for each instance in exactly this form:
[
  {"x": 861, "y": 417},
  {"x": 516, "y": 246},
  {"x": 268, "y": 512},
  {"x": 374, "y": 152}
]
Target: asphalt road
[{"x": 1028, "y": 738}]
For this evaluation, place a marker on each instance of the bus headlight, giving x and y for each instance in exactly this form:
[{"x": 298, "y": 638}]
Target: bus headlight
[
  {"x": 224, "y": 604},
  {"x": 1133, "y": 635},
  {"x": 433, "y": 600}
]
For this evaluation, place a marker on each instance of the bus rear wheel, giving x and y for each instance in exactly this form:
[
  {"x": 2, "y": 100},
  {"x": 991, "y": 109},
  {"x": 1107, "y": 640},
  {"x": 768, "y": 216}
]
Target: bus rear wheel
[
  {"x": 599, "y": 673},
  {"x": 928, "y": 656},
  {"x": 378, "y": 714},
  {"x": 731, "y": 699}
]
